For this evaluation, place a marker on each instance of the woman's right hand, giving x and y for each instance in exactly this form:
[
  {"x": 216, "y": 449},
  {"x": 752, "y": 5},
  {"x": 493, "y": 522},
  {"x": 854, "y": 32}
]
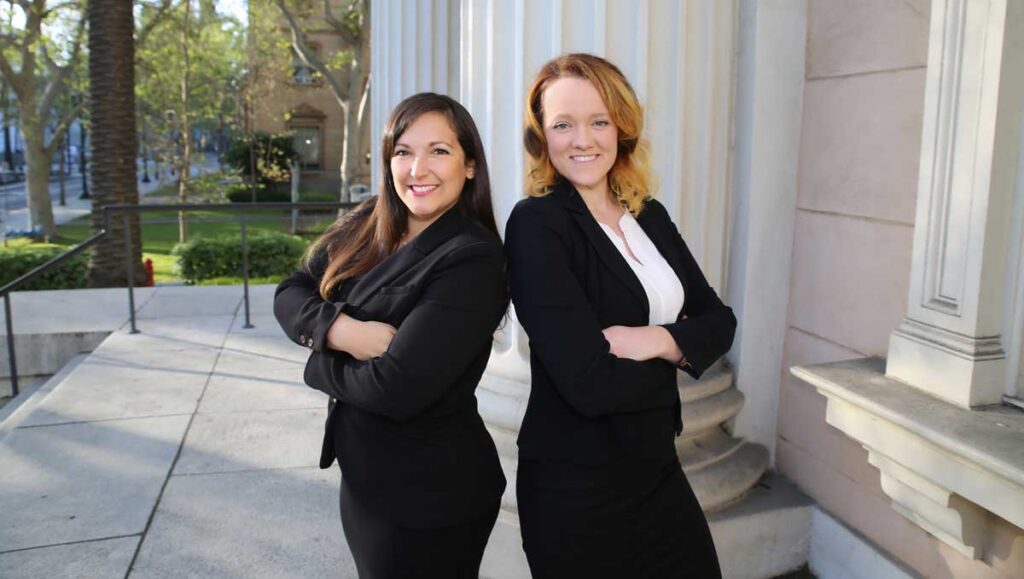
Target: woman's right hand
[{"x": 363, "y": 340}]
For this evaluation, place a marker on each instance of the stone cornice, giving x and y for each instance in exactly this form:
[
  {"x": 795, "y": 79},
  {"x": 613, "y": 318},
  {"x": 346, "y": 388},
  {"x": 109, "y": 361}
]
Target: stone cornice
[{"x": 943, "y": 466}]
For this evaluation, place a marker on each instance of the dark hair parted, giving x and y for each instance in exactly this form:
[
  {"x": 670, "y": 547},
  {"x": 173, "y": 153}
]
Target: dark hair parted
[{"x": 365, "y": 236}]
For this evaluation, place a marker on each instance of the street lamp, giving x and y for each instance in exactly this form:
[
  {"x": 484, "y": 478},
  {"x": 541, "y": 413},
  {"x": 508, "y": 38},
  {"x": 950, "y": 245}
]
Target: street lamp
[
  {"x": 170, "y": 115},
  {"x": 145, "y": 153}
]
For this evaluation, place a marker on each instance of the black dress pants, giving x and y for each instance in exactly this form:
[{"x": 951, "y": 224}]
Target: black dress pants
[{"x": 383, "y": 550}]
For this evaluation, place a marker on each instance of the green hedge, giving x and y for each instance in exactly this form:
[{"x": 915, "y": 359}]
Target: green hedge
[
  {"x": 270, "y": 254},
  {"x": 243, "y": 194},
  {"x": 18, "y": 261}
]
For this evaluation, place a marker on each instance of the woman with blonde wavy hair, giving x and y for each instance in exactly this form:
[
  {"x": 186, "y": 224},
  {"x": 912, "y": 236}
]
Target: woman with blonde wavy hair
[{"x": 614, "y": 305}]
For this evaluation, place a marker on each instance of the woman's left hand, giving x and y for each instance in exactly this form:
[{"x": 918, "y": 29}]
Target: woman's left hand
[{"x": 642, "y": 343}]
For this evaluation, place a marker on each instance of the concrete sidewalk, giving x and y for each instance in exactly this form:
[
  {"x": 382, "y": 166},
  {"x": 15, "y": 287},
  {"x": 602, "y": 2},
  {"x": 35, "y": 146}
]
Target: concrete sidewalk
[{"x": 188, "y": 450}]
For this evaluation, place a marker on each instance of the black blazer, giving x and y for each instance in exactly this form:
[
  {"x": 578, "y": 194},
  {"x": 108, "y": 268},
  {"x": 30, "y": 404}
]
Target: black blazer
[
  {"x": 406, "y": 431},
  {"x": 568, "y": 283}
]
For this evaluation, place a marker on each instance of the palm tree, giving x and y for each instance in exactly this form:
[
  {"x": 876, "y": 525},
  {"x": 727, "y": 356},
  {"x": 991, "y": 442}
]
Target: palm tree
[{"x": 114, "y": 140}]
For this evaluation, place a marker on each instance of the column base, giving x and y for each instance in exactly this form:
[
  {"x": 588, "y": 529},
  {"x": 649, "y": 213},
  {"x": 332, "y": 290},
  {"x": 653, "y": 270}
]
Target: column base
[{"x": 968, "y": 372}]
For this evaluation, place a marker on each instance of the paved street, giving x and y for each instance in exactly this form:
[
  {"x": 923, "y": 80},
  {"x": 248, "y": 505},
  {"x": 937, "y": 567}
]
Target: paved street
[{"x": 14, "y": 210}]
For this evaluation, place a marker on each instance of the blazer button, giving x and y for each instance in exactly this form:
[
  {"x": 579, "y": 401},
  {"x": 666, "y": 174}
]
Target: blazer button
[
  {"x": 309, "y": 342},
  {"x": 302, "y": 338}
]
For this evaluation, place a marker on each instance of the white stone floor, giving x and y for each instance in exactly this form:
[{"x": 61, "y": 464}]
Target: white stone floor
[{"x": 188, "y": 450}]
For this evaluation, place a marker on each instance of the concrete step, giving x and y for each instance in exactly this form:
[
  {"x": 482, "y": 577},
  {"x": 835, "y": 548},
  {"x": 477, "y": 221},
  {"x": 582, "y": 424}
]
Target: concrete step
[
  {"x": 767, "y": 534},
  {"x": 711, "y": 411},
  {"x": 715, "y": 380},
  {"x": 22, "y": 405},
  {"x": 728, "y": 479}
]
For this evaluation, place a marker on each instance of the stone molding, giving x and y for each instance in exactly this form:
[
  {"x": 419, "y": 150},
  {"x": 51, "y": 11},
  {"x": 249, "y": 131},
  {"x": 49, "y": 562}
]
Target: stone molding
[
  {"x": 950, "y": 344},
  {"x": 945, "y": 468}
]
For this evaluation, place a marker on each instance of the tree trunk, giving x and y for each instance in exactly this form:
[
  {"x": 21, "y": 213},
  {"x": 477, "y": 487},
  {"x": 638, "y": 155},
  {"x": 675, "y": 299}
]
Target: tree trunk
[
  {"x": 114, "y": 140},
  {"x": 37, "y": 177},
  {"x": 355, "y": 107},
  {"x": 185, "y": 169}
]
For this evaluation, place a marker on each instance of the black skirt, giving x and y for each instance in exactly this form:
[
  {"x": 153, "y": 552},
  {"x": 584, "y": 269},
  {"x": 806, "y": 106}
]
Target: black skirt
[
  {"x": 384, "y": 550},
  {"x": 624, "y": 519}
]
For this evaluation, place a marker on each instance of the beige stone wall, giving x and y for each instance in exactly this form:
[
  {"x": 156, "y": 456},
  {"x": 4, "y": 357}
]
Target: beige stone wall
[
  {"x": 857, "y": 184},
  {"x": 282, "y": 97}
]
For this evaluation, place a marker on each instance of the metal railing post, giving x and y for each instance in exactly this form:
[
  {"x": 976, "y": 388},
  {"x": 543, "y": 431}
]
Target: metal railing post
[
  {"x": 245, "y": 272},
  {"x": 10, "y": 345},
  {"x": 129, "y": 269}
]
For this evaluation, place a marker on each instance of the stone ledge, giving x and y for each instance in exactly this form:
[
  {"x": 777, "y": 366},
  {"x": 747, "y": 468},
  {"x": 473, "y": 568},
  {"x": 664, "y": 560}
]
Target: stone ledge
[{"x": 943, "y": 466}]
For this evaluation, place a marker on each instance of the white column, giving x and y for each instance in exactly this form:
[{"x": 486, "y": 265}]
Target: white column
[
  {"x": 950, "y": 343},
  {"x": 414, "y": 48},
  {"x": 768, "y": 109}
]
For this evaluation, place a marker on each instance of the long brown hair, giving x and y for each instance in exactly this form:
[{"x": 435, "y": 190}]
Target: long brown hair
[
  {"x": 629, "y": 178},
  {"x": 361, "y": 239}
]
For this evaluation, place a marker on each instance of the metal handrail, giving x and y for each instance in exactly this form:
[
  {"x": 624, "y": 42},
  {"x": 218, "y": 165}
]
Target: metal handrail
[{"x": 127, "y": 211}]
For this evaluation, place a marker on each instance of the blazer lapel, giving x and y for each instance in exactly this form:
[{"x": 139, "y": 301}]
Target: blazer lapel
[
  {"x": 441, "y": 230},
  {"x": 610, "y": 255},
  {"x": 661, "y": 234}
]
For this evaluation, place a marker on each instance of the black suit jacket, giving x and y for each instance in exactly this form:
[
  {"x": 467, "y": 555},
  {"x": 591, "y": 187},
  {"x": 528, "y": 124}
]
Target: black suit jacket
[
  {"x": 405, "y": 429},
  {"x": 568, "y": 283}
]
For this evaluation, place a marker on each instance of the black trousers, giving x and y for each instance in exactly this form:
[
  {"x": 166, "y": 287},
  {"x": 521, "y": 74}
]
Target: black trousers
[
  {"x": 383, "y": 550},
  {"x": 635, "y": 519}
]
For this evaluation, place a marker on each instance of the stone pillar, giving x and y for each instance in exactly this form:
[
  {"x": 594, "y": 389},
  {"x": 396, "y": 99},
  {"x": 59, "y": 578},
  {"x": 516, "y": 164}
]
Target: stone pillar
[
  {"x": 414, "y": 48},
  {"x": 767, "y": 114},
  {"x": 950, "y": 344}
]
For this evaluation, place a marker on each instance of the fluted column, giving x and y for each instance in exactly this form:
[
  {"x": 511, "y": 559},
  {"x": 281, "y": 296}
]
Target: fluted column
[{"x": 414, "y": 48}]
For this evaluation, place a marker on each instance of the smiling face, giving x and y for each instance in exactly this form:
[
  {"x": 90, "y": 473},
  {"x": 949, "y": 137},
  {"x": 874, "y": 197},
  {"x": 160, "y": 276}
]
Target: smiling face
[
  {"x": 582, "y": 140},
  {"x": 429, "y": 169}
]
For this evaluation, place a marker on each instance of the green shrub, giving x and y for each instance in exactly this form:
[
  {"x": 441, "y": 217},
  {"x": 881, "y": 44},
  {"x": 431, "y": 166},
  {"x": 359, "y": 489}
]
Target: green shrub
[
  {"x": 273, "y": 155},
  {"x": 314, "y": 197},
  {"x": 19, "y": 261},
  {"x": 242, "y": 193},
  {"x": 270, "y": 254}
]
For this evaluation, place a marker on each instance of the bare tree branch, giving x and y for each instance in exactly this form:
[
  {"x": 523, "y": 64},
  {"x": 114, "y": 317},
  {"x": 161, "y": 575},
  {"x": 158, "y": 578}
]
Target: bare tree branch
[
  {"x": 12, "y": 78},
  {"x": 310, "y": 58},
  {"x": 345, "y": 31},
  {"x": 162, "y": 11},
  {"x": 59, "y": 74}
]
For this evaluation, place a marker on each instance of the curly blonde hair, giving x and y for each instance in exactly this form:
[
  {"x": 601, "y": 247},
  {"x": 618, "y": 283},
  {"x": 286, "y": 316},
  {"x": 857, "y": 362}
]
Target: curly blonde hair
[{"x": 630, "y": 177}]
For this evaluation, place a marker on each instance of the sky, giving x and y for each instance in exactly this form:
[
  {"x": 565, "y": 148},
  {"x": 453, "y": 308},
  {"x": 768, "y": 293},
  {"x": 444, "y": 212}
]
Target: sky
[{"x": 236, "y": 8}]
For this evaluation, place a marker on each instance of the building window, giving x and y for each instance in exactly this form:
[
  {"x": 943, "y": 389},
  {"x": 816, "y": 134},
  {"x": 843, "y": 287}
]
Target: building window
[
  {"x": 302, "y": 73},
  {"x": 307, "y": 145}
]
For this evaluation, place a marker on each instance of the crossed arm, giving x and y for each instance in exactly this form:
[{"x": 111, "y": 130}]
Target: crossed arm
[{"x": 449, "y": 326}]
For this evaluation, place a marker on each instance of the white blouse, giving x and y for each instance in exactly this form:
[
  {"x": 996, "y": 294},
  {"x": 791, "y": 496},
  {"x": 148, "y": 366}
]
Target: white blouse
[{"x": 664, "y": 290}]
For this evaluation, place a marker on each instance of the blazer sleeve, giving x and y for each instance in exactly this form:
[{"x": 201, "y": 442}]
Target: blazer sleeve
[
  {"x": 451, "y": 324},
  {"x": 565, "y": 332},
  {"x": 304, "y": 316},
  {"x": 707, "y": 331}
]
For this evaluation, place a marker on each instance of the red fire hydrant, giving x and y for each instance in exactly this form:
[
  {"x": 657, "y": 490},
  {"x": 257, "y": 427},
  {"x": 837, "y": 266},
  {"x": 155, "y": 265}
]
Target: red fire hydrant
[{"x": 148, "y": 264}]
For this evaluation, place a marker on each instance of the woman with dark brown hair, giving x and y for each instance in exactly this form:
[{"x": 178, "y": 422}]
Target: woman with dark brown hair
[
  {"x": 614, "y": 305},
  {"x": 398, "y": 303}
]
